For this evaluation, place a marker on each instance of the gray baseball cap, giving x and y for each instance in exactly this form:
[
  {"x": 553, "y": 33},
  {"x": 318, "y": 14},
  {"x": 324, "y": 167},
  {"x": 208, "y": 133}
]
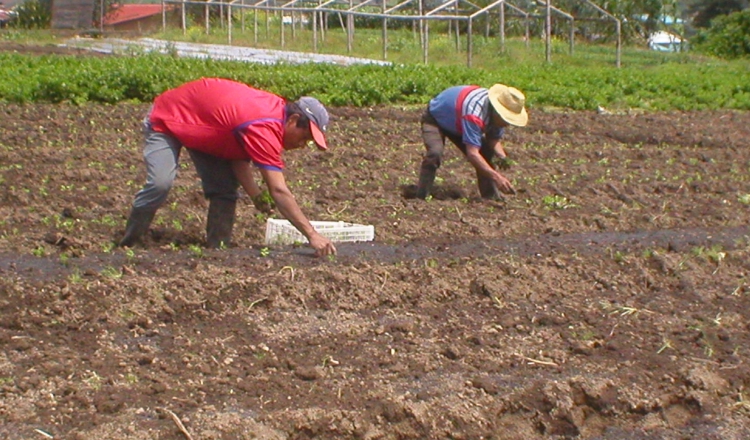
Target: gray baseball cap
[{"x": 318, "y": 116}]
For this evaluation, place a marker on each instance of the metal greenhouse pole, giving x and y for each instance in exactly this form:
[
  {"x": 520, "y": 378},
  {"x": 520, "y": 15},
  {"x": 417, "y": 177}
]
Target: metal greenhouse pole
[
  {"x": 389, "y": 11},
  {"x": 207, "y": 12},
  {"x": 229, "y": 23},
  {"x": 502, "y": 22},
  {"x": 502, "y": 26},
  {"x": 184, "y": 17},
  {"x": 430, "y": 13},
  {"x": 315, "y": 31},
  {"x": 349, "y": 29},
  {"x": 548, "y": 27},
  {"x": 458, "y": 30},
  {"x": 469, "y": 36},
  {"x": 319, "y": 22},
  {"x": 618, "y": 29},
  {"x": 548, "y": 32},
  {"x": 385, "y": 31},
  {"x": 469, "y": 42}
]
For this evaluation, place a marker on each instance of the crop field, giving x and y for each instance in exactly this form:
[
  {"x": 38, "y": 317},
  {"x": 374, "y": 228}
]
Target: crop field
[{"x": 608, "y": 299}]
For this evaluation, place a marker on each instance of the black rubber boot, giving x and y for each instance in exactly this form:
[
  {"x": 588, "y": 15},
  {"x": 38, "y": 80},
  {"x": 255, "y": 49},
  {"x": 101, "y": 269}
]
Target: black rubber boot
[
  {"x": 426, "y": 179},
  {"x": 220, "y": 222},
  {"x": 138, "y": 223}
]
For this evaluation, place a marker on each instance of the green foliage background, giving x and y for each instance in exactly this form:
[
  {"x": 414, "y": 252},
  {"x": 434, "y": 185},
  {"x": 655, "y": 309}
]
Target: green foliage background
[
  {"x": 33, "y": 14},
  {"x": 727, "y": 37},
  {"x": 705, "y": 85}
]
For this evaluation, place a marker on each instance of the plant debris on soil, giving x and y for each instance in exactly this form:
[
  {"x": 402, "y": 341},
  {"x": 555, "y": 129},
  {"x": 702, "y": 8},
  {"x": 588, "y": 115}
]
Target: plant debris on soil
[{"x": 608, "y": 299}]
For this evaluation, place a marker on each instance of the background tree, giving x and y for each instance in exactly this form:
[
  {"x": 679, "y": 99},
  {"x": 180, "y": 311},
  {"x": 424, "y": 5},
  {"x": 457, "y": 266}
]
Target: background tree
[
  {"x": 727, "y": 37},
  {"x": 32, "y": 14},
  {"x": 703, "y": 11}
]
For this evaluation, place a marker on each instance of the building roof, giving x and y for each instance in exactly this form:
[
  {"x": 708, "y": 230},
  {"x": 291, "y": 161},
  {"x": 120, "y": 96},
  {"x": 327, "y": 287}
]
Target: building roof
[{"x": 130, "y": 12}]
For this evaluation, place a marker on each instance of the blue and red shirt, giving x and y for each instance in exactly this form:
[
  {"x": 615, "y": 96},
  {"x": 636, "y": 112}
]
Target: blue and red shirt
[
  {"x": 225, "y": 119},
  {"x": 465, "y": 111}
]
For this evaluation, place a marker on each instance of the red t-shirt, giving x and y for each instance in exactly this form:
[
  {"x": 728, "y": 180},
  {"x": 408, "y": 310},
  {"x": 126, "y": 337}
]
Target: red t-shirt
[{"x": 225, "y": 119}]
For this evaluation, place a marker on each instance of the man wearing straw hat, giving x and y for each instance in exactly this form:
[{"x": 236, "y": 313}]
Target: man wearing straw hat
[{"x": 474, "y": 119}]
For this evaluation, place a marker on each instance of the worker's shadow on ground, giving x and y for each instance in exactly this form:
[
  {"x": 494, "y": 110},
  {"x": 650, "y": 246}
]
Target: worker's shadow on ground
[{"x": 439, "y": 192}]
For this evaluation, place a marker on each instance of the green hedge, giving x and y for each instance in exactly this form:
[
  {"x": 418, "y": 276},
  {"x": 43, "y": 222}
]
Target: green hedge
[{"x": 669, "y": 86}]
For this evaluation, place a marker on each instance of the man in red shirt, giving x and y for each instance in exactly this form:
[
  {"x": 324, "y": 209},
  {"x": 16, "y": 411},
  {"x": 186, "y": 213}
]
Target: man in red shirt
[{"x": 226, "y": 125}]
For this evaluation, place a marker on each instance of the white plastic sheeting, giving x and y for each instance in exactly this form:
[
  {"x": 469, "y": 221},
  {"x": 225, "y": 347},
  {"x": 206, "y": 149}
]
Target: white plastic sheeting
[{"x": 212, "y": 51}]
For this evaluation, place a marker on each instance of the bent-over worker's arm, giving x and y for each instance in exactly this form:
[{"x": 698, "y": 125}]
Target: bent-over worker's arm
[
  {"x": 288, "y": 207},
  {"x": 244, "y": 174},
  {"x": 481, "y": 165},
  {"x": 497, "y": 146}
]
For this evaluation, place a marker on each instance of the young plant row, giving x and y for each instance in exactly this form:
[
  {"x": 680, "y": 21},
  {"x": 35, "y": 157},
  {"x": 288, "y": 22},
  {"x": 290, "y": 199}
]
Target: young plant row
[{"x": 140, "y": 78}]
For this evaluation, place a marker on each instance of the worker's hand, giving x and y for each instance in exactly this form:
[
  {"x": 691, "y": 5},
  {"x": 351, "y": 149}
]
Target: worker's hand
[
  {"x": 264, "y": 202},
  {"x": 322, "y": 246},
  {"x": 503, "y": 184}
]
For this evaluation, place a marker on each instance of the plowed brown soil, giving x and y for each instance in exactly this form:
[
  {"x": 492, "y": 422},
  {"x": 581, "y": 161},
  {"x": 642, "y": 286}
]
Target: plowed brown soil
[{"x": 608, "y": 299}]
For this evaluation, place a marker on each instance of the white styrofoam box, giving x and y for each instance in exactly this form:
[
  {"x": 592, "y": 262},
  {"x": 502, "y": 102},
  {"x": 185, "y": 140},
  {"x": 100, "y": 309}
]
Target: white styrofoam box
[{"x": 283, "y": 232}]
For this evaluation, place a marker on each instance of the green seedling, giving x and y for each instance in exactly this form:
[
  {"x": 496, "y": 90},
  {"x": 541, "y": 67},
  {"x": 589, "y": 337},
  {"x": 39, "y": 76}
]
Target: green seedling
[
  {"x": 714, "y": 254},
  {"x": 557, "y": 202},
  {"x": 75, "y": 277},
  {"x": 107, "y": 247},
  {"x": 264, "y": 202},
  {"x": 619, "y": 257},
  {"x": 111, "y": 272},
  {"x": 93, "y": 380},
  {"x": 504, "y": 163},
  {"x": 108, "y": 221},
  {"x": 196, "y": 250}
]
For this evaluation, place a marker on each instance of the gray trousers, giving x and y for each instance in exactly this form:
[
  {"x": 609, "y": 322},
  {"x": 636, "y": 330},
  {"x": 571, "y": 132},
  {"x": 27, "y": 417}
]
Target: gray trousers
[{"x": 161, "y": 153}]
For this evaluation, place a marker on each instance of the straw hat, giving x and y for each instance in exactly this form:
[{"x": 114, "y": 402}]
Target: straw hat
[{"x": 509, "y": 103}]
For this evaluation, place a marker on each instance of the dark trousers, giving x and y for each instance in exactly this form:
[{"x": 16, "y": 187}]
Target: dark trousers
[{"x": 434, "y": 142}]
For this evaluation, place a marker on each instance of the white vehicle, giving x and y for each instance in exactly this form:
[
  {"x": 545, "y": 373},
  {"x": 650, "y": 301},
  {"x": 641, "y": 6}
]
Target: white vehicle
[{"x": 666, "y": 42}]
